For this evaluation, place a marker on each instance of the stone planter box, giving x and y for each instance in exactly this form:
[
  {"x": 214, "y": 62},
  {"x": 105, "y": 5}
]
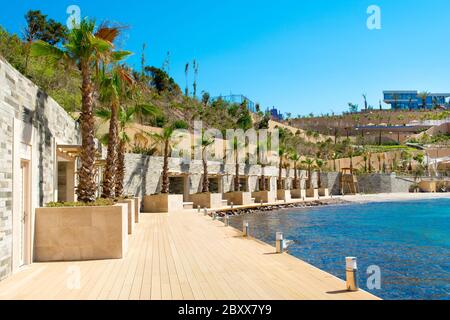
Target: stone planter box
[
  {"x": 284, "y": 195},
  {"x": 137, "y": 209},
  {"x": 239, "y": 198},
  {"x": 298, "y": 193},
  {"x": 312, "y": 193},
  {"x": 81, "y": 233},
  {"x": 163, "y": 203},
  {"x": 324, "y": 192},
  {"x": 428, "y": 186},
  {"x": 131, "y": 213},
  {"x": 207, "y": 200},
  {"x": 264, "y": 196}
]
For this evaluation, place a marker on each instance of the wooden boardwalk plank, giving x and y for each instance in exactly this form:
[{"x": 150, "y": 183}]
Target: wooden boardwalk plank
[{"x": 182, "y": 255}]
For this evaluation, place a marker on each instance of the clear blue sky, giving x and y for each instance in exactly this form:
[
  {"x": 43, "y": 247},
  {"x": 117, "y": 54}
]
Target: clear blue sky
[{"x": 301, "y": 56}]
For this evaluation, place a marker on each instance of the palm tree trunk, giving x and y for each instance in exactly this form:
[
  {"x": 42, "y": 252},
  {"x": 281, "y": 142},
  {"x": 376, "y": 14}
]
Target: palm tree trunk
[
  {"x": 120, "y": 174},
  {"x": 205, "y": 187},
  {"x": 280, "y": 174},
  {"x": 263, "y": 179},
  {"x": 296, "y": 184},
  {"x": 87, "y": 185},
  {"x": 319, "y": 179},
  {"x": 236, "y": 178},
  {"x": 110, "y": 168},
  {"x": 308, "y": 182},
  {"x": 165, "y": 172}
]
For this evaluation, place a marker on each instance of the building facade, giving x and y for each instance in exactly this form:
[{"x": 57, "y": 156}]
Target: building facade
[
  {"x": 34, "y": 170},
  {"x": 413, "y": 100}
]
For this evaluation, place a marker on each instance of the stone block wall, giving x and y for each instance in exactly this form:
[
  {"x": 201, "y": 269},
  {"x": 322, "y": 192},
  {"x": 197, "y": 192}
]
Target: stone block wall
[
  {"x": 143, "y": 174},
  {"x": 6, "y": 188},
  {"x": 28, "y": 119},
  {"x": 371, "y": 183}
]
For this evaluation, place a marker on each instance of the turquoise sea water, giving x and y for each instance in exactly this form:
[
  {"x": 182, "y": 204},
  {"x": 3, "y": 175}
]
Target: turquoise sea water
[{"x": 409, "y": 241}]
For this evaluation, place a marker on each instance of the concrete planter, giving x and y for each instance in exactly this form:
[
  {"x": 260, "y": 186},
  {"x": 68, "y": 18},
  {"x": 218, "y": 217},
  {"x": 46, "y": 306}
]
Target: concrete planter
[
  {"x": 298, "y": 193},
  {"x": 131, "y": 213},
  {"x": 264, "y": 196},
  {"x": 163, "y": 203},
  {"x": 284, "y": 195},
  {"x": 312, "y": 193},
  {"x": 137, "y": 209},
  {"x": 428, "y": 186},
  {"x": 81, "y": 233},
  {"x": 208, "y": 200},
  {"x": 324, "y": 192},
  {"x": 239, "y": 198}
]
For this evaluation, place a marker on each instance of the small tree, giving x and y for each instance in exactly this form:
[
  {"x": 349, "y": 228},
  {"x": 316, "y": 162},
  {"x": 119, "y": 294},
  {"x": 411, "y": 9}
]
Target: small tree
[
  {"x": 205, "y": 144},
  {"x": 309, "y": 164},
  {"x": 295, "y": 157}
]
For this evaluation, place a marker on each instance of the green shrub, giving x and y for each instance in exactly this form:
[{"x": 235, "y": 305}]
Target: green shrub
[{"x": 97, "y": 203}]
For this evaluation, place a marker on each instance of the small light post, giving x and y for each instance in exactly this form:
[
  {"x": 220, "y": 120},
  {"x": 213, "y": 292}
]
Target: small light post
[
  {"x": 245, "y": 229},
  {"x": 351, "y": 270},
  {"x": 205, "y": 212},
  {"x": 232, "y": 205},
  {"x": 198, "y": 209},
  {"x": 279, "y": 242},
  {"x": 227, "y": 220}
]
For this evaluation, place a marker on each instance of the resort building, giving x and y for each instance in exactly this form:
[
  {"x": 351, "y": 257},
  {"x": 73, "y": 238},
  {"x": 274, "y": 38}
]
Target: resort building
[
  {"x": 275, "y": 114},
  {"x": 413, "y": 100}
]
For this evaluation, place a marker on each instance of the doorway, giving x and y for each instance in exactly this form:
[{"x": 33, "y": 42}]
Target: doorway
[{"x": 24, "y": 195}]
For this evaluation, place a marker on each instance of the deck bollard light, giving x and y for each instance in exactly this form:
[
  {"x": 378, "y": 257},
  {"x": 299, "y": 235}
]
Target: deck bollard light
[
  {"x": 262, "y": 203},
  {"x": 198, "y": 209},
  {"x": 303, "y": 199},
  {"x": 245, "y": 229},
  {"x": 351, "y": 270},
  {"x": 214, "y": 216},
  {"x": 227, "y": 220},
  {"x": 279, "y": 242},
  {"x": 232, "y": 205},
  {"x": 205, "y": 212}
]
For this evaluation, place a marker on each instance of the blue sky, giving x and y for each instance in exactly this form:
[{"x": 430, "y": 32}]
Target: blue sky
[{"x": 301, "y": 56}]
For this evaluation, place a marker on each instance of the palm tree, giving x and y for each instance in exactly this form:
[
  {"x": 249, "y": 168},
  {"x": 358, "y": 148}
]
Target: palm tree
[
  {"x": 112, "y": 89},
  {"x": 164, "y": 139},
  {"x": 365, "y": 101},
  {"x": 186, "y": 72},
  {"x": 295, "y": 157},
  {"x": 309, "y": 163},
  {"x": 84, "y": 48},
  {"x": 262, "y": 145},
  {"x": 205, "y": 144},
  {"x": 320, "y": 164},
  {"x": 236, "y": 146},
  {"x": 282, "y": 153},
  {"x": 126, "y": 118}
]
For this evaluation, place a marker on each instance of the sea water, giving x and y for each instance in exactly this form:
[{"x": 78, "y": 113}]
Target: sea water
[{"x": 408, "y": 241}]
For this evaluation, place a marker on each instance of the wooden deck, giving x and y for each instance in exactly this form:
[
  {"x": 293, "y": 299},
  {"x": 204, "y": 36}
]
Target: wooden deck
[{"x": 181, "y": 256}]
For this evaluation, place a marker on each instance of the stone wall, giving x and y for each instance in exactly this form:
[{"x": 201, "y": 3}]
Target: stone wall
[
  {"x": 33, "y": 123},
  {"x": 371, "y": 183},
  {"x": 6, "y": 182},
  {"x": 383, "y": 183},
  {"x": 143, "y": 174}
]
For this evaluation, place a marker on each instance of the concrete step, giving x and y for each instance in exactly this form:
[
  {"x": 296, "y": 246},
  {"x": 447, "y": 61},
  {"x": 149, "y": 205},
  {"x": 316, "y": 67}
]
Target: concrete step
[{"x": 188, "y": 205}]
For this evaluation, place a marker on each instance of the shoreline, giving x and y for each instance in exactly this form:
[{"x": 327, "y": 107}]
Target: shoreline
[
  {"x": 394, "y": 197},
  {"x": 330, "y": 201}
]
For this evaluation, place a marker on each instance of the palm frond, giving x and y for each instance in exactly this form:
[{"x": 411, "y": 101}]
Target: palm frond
[{"x": 43, "y": 49}]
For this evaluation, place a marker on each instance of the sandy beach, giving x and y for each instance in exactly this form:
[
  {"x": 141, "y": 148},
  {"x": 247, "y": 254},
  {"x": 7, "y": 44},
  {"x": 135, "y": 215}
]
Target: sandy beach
[{"x": 391, "y": 197}]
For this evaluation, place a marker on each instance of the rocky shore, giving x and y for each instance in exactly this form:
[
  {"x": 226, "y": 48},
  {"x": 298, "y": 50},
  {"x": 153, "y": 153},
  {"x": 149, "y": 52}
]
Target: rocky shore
[{"x": 266, "y": 208}]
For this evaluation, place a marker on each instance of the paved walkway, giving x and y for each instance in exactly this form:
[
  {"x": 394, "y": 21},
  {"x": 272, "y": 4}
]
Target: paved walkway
[{"x": 181, "y": 256}]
